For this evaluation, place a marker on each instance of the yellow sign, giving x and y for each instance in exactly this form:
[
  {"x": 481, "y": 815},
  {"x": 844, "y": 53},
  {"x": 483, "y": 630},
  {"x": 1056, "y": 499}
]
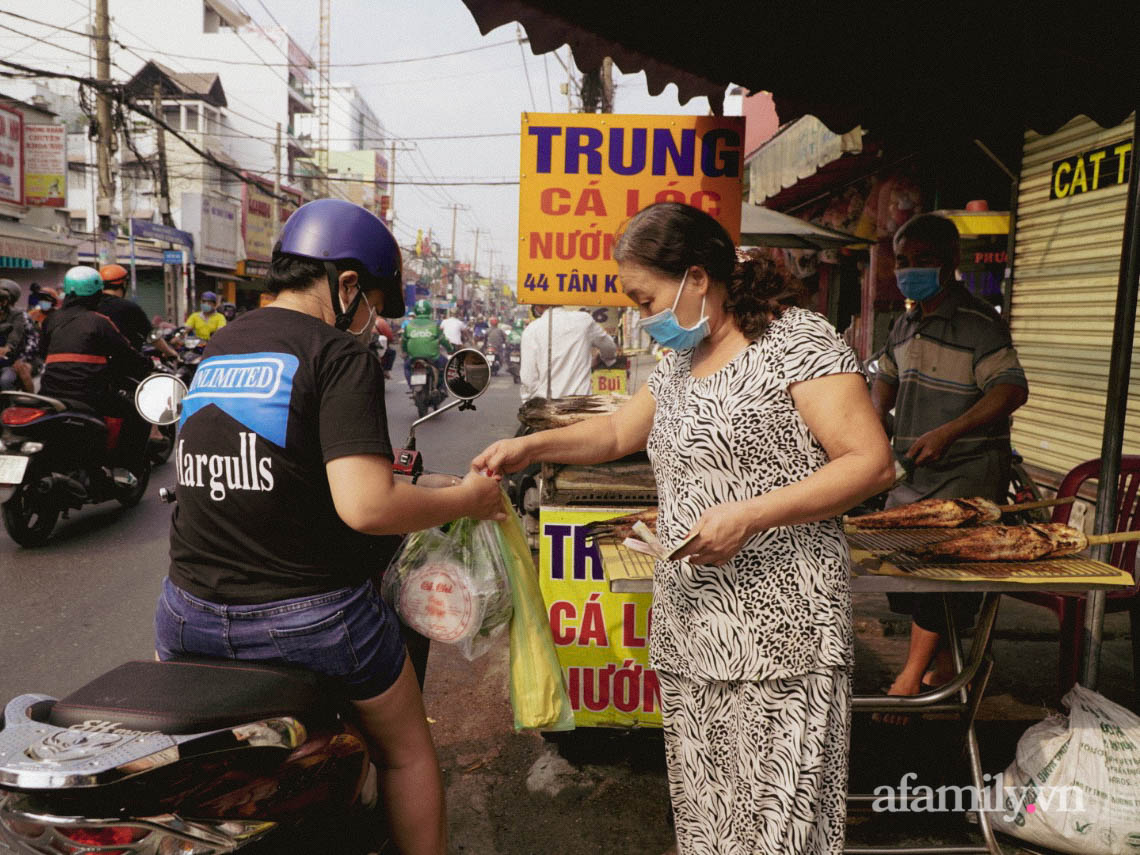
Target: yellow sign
[
  {"x": 609, "y": 381},
  {"x": 602, "y": 638},
  {"x": 584, "y": 175}
]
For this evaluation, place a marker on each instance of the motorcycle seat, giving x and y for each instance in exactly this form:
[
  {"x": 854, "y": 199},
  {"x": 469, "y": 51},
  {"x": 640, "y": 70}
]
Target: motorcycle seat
[{"x": 195, "y": 696}]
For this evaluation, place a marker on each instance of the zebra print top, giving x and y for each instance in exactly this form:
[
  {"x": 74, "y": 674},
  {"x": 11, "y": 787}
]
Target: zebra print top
[{"x": 782, "y": 606}]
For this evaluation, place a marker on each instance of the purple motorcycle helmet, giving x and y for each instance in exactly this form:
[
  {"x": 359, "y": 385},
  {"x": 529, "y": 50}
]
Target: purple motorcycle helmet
[{"x": 331, "y": 230}]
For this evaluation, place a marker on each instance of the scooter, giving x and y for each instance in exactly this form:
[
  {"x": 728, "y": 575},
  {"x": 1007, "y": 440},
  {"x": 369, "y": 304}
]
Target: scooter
[
  {"x": 197, "y": 756},
  {"x": 56, "y": 456},
  {"x": 494, "y": 357},
  {"x": 425, "y": 386}
]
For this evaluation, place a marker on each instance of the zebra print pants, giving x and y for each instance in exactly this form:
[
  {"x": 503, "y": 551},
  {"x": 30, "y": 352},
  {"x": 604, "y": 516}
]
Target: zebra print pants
[{"x": 758, "y": 768}]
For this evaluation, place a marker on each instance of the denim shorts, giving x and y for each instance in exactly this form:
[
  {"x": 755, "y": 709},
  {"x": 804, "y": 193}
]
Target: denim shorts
[{"x": 349, "y": 634}]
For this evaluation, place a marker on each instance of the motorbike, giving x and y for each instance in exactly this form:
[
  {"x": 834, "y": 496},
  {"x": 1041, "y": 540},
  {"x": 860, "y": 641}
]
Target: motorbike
[
  {"x": 426, "y": 391},
  {"x": 494, "y": 357},
  {"x": 56, "y": 456},
  {"x": 160, "y": 447},
  {"x": 197, "y": 756}
]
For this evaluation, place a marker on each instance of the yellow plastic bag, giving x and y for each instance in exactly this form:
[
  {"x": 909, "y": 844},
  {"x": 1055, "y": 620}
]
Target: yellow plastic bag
[{"x": 538, "y": 691}]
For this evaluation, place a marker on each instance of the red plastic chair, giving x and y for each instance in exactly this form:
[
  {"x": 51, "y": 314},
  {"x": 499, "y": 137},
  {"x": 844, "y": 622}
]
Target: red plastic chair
[{"x": 1070, "y": 608}]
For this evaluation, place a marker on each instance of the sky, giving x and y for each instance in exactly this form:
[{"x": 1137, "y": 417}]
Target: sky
[{"x": 483, "y": 91}]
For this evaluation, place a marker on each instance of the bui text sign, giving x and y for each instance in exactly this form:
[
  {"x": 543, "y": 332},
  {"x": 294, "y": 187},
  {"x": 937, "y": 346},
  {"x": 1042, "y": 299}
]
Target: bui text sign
[{"x": 583, "y": 175}]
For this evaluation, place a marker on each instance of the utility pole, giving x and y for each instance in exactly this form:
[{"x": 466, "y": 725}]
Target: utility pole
[
  {"x": 392, "y": 187},
  {"x": 105, "y": 149},
  {"x": 455, "y": 209},
  {"x": 475, "y": 260},
  {"x": 160, "y": 147},
  {"x": 277, "y": 182},
  {"x": 323, "y": 88}
]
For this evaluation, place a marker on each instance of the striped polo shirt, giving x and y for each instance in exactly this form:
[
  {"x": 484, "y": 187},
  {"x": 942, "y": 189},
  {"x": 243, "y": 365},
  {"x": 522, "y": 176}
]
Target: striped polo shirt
[{"x": 943, "y": 363}]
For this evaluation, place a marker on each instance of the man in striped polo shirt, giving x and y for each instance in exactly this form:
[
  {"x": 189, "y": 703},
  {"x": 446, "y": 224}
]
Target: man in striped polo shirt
[{"x": 951, "y": 374}]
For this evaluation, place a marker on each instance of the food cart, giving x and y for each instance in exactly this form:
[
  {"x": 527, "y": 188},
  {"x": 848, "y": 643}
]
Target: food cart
[{"x": 601, "y": 635}]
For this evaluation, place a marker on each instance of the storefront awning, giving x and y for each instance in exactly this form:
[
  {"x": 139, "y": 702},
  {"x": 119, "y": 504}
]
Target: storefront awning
[
  {"x": 20, "y": 241},
  {"x": 764, "y": 227},
  {"x": 797, "y": 151}
]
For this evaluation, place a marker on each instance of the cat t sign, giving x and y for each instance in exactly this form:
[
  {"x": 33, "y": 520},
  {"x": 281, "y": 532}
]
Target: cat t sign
[{"x": 584, "y": 175}]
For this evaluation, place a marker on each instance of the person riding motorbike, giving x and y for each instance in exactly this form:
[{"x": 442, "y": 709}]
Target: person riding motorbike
[
  {"x": 422, "y": 339},
  {"x": 126, "y": 314},
  {"x": 229, "y": 311},
  {"x": 46, "y": 302},
  {"x": 14, "y": 331},
  {"x": 207, "y": 321},
  {"x": 88, "y": 361},
  {"x": 496, "y": 337},
  {"x": 287, "y": 505}
]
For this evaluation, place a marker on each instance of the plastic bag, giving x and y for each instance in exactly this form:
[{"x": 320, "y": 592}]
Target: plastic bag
[
  {"x": 452, "y": 585},
  {"x": 1074, "y": 785},
  {"x": 538, "y": 690}
]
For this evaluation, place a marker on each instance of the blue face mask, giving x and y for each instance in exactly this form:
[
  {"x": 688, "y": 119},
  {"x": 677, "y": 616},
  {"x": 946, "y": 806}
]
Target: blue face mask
[
  {"x": 919, "y": 283},
  {"x": 667, "y": 331},
  {"x": 206, "y": 308},
  {"x": 46, "y": 306}
]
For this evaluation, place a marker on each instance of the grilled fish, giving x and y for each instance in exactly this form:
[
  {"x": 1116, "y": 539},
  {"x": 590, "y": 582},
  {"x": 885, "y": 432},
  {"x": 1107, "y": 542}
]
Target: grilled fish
[
  {"x": 932, "y": 513},
  {"x": 1007, "y": 543}
]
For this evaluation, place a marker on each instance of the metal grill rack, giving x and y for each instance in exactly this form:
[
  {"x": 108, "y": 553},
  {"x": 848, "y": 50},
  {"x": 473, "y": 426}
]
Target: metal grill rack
[
  {"x": 880, "y": 542},
  {"x": 562, "y": 486},
  {"x": 1073, "y": 568}
]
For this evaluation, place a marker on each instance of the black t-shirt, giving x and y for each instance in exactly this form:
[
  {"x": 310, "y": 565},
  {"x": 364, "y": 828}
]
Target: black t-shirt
[
  {"x": 277, "y": 395},
  {"x": 128, "y": 316}
]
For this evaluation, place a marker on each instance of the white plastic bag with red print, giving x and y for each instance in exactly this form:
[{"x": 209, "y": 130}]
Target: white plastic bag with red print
[{"x": 452, "y": 585}]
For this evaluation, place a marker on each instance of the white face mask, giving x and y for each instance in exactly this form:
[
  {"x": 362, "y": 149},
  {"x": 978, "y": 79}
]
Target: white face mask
[{"x": 364, "y": 334}]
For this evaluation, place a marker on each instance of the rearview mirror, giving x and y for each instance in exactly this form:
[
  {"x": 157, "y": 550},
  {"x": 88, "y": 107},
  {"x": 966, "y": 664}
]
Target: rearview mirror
[
  {"x": 158, "y": 399},
  {"x": 467, "y": 374}
]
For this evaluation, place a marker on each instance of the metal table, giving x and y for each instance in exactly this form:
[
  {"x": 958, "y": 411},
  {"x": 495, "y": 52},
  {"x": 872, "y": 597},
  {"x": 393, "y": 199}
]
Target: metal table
[{"x": 962, "y": 696}]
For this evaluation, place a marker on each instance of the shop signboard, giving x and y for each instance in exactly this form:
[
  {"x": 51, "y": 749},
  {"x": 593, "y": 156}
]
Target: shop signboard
[
  {"x": 1088, "y": 171},
  {"x": 11, "y": 156},
  {"x": 257, "y": 227},
  {"x": 584, "y": 175},
  {"x": 602, "y": 638},
  {"x": 45, "y": 165},
  {"x": 609, "y": 381},
  {"x": 160, "y": 231},
  {"x": 216, "y": 225},
  {"x": 172, "y": 256}
]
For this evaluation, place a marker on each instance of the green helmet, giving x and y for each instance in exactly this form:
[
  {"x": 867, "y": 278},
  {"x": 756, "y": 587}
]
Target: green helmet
[
  {"x": 520, "y": 324},
  {"x": 82, "y": 281},
  {"x": 423, "y": 309}
]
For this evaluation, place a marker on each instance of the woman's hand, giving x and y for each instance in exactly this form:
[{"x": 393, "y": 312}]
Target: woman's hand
[
  {"x": 484, "y": 497},
  {"x": 503, "y": 457},
  {"x": 720, "y": 533}
]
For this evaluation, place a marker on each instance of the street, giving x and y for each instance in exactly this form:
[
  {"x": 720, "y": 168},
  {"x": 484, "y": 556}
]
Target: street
[{"x": 84, "y": 603}]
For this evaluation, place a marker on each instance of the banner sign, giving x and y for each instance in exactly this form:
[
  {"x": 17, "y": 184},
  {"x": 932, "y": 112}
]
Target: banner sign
[
  {"x": 45, "y": 165},
  {"x": 1108, "y": 166},
  {"x": 159, "y": 231},
  {"x": 216, "y": 226},
  {"x": 602, "y": 638},
  {"x": 11, "y": 156},
  {"x": 583, "y": 175}
]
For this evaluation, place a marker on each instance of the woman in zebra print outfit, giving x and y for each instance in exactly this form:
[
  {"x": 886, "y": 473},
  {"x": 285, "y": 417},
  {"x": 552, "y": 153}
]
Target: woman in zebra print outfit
[{"x": 760, "y": 435}]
